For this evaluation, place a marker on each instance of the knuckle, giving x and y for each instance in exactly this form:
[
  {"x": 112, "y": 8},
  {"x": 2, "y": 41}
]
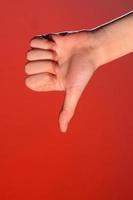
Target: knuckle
[
  {"x": 27, "y": 82},
  {"x": 33, "y": 42},
  {"x": 27, "y": 68},
  {"x": 28, "y": 56}
]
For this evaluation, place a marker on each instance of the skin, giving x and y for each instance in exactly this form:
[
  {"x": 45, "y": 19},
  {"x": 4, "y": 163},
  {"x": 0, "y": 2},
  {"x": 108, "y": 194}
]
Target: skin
[{"x": 66, "y": 61}]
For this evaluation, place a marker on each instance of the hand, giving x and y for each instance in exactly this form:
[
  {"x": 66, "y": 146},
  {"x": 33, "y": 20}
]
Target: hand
[
  {"x": 62, "y": 62},
  {"x": 66, "y": 61}
]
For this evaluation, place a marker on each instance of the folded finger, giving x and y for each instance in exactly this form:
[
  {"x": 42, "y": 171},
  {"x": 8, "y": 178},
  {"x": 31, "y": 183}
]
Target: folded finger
[
  {"x": 42, "y": 43},
  {"x": 39, "y": 54},
  {"x": 42, "y": 82},
  {"x": 35, "y": 67}
]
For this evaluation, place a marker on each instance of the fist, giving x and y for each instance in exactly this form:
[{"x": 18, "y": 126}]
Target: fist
[{"x": 61, "y": 62}]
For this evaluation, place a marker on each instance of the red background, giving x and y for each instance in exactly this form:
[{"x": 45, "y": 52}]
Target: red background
[{"x": 94, "y": 159}]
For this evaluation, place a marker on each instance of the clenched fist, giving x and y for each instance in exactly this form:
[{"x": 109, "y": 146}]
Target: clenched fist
[
  {"x": 61, "y": 62},
  {"x": 66, "y": 61}
]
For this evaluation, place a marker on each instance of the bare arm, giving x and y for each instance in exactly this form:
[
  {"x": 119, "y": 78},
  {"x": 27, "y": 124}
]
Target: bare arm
[{"x": 114, "y": 39}]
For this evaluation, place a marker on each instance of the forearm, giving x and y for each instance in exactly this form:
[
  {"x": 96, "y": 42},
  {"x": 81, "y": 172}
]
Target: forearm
[{"x": 114, "y": 39}]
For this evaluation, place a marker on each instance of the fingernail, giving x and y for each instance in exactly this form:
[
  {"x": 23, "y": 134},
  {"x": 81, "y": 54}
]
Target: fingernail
[{"x": 64, "y": 127}]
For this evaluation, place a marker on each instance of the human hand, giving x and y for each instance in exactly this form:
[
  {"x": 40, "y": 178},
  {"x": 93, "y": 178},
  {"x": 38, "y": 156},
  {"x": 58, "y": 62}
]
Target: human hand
[
  {"x": 62, "y": 63},
  {"x": 66, "y": 61}
]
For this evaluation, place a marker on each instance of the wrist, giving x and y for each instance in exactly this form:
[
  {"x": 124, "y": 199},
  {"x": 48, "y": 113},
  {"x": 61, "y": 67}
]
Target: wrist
[
  {"x": 98, "y": 53},
  {"x": 113, "y": 39},
  {"x": 102, "y": 47}
]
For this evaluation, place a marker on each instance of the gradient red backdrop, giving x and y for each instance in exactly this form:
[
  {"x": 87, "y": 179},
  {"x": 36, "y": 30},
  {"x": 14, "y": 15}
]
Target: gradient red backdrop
[{"x": 94, "y": 159}]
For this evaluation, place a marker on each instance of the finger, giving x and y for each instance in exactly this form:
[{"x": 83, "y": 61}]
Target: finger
[
  {"x": 42, "y": 43},
  {"x": 42, "y": 82},
  {"x": 70, "y": 102},
  {"x": 35, "y": 67},
  {"x": 38, "y": 54},
  {"x": 47, "y": 36}
]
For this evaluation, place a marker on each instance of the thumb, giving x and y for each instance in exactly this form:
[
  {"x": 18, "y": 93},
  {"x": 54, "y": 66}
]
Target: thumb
[{"x": 70, "y": 102}]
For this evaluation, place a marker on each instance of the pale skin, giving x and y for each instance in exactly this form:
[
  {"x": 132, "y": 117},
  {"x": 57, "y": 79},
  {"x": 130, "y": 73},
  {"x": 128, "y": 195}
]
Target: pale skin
[{"x": 67, "y": 62}]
